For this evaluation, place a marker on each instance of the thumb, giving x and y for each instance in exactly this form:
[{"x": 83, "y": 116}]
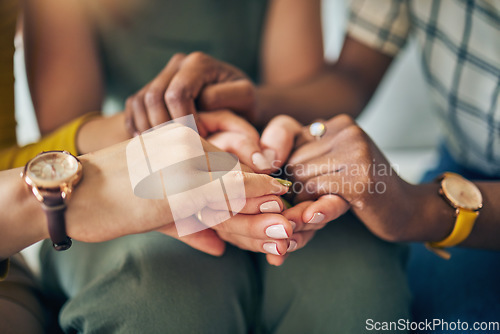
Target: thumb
[
  {"x": 278, "y": 139},
  {"x": 206, "y": 241}
]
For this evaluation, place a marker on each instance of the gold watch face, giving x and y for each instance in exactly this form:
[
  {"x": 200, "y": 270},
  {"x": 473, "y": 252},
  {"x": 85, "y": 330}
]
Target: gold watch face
[
  {"x": 461, "y": 192},
  {"x": 51, "y": 169}
]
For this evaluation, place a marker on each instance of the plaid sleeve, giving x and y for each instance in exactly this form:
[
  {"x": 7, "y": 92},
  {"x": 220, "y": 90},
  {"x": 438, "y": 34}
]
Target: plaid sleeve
[{"x": 380, "y": 24}]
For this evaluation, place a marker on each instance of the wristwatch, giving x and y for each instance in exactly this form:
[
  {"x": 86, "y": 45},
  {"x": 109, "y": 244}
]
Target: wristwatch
[
  {"x": 52, "y": 177},
  {"x": 465, "y": 197}
]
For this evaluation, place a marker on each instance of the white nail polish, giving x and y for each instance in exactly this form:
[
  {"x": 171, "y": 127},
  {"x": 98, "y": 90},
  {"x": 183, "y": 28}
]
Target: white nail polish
[
  {"x": 292, "y": 246},
  {"x": 260, "y": 161},
  {"x": 276, "y": 232},
  {"x": 271, "y": 248},
  {"x": 270, "y": 155},
  {"x": 317, "y": 218},
  {"x": 270, "y": 207},
  {"x": 294, "y": 225}
]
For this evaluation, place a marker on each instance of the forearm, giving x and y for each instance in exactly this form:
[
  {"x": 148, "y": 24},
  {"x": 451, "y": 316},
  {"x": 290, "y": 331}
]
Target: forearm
[
  {"x": 433, "y": 219},
  {"x": 22, "y": 221},
  {"x": 101, "y": 132},
  {"x": 343, "y": 87},
  {"x": 83, "y": 135},
  {"x": 62, "y": 62},
  {"x": 330, "y": 93}
]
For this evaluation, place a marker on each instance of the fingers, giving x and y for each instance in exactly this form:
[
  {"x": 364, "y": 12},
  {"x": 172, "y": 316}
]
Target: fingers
[
  {"x": 310, "y": 150},
  {"x": 252, "y": 206},
  {"x": 238, "y": 95},
  {"x": 263, "y": 226},
  {"x": 246, "y": 149},
  {"x": 308, "y": 147},
  {"x": 314, "y": 215},
  {"x": 224, "y": 120},
  {"x": 297, "y": 241},
  {"x": 295, "y": 216},
  {"x": 326, "y": 184},
  {"x": 324, "y": 209},
  {"x": 197, "y": 71},
  {"x": 255, "y": 185},
  {"x": 235, "y": 135},
  {"x": 278, "y": 139},
  {"x": 267, "y": 246},
  {"x": 206, "y": 241},
  {"x": 276, "y": 260},
  {"x": 136, "y": 114},
  {"x": 154, "y": 96},
  {"x": 147, "y": 107}
]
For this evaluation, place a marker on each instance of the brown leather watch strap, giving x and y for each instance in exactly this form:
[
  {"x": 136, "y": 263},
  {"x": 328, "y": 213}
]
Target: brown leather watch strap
[{"x": 55, "y": 208}]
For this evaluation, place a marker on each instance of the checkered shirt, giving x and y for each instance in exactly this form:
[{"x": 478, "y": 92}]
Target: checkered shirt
[{"x": 459, "y": 42}]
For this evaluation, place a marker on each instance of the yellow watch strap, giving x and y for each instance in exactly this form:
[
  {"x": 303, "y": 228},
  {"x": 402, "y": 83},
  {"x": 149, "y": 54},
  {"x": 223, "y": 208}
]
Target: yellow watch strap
[{"x": 462, "y": 229}]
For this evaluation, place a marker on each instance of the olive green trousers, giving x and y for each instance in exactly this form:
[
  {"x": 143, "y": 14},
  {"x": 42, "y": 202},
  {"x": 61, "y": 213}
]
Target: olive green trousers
[{"x": 151, "y": 283}]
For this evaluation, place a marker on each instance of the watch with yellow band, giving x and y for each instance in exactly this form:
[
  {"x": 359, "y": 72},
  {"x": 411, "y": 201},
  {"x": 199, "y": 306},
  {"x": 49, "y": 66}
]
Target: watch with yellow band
[{"x": 465, "y": 197}]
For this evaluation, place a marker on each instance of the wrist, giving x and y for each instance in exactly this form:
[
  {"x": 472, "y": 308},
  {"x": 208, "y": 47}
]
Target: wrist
[
  {"x": 432, "y": 219},
  {"x": 264, "y": 109},
  {"x": 23, "y": 222},
  {"x": 100, "y": 132}
]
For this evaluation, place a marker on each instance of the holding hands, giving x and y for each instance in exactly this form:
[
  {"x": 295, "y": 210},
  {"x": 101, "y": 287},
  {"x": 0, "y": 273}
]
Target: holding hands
[
  {"x": 342, "y": 170},
  {"x": 189, "y": 83}
]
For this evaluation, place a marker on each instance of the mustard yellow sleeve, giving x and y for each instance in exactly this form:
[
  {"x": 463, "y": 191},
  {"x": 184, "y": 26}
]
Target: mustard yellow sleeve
[
  {"x": 8, "y": 14},
  {"x": 62, "y": 139}
]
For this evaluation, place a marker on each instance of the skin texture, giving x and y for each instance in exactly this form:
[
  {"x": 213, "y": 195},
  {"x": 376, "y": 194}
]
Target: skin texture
[
  {"x": 56, "y": 38},
  {"x": 347, "y": 163},
  {"x": 302, "y": 83},
  {"x": 106, "y": 184}
]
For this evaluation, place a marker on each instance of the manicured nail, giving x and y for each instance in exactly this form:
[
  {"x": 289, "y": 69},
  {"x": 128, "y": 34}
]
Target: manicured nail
[
  {"x": 270, "y": 154},
  {"x": 317, "y": 218},
  {"x": 260, "y": 161},
  {"x": 294, "y": 225},
  {"x": 271, "y": 248},
  {"x": 292, "y": 246},
  {"x": 276, "y": 232},
  {"x": 286, "y": 183},
  {"x": 270, "y": 207}
]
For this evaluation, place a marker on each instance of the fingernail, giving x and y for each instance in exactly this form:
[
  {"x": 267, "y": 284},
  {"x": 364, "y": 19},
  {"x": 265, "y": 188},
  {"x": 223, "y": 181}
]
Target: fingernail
[
  {"x": 294, "y": 225},
  {"x": 276, "y": 232},
  {"x": 270, "y": 207},
  {"x": 317, "y": 218},
  {"x": 260, "y": 161},
  {"x": 286, "y": 183},
  {"x": 269, "y": 154},
  {"x": 292, "y": 246},
  {"x": 271, "y": 248}
]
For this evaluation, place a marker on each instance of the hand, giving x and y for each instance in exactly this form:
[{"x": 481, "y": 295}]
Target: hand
[
  {"x": 247, "y": 230},
  {"x": 347, "y": 163},
  {"x": 266, "y": 153},
  {"x": 189, "y": 83},
  {"x": 235, "y": 135},
  {"x": 104, "y": 206}
]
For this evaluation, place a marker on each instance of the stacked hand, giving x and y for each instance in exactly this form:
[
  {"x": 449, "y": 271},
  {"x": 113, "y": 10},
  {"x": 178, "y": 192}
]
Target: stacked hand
[
  {"x": 189, "y": 83},
  {"x": 324, "y": 187}
]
